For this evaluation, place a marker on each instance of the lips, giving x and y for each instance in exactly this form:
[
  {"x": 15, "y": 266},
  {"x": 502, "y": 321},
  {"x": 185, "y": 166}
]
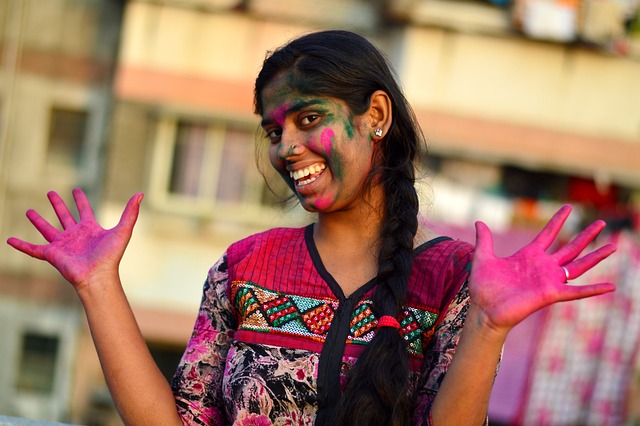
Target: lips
[{"x": 308, "y": 174}]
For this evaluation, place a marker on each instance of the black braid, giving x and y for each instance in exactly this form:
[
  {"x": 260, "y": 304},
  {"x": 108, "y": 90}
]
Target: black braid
[{"x": 376, "y": 393}]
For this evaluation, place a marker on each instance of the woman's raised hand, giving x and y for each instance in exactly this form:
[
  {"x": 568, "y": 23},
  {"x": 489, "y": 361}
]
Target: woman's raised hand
[
  {"x": 82, "y": 250},
  {"x": 507, "y": 290}
]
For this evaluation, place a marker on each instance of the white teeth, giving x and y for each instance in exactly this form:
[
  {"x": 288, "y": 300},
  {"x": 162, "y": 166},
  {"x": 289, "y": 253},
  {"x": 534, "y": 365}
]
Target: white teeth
[
  {"x": 307, "y": 181},
  {"x": 299, "y": 174}
]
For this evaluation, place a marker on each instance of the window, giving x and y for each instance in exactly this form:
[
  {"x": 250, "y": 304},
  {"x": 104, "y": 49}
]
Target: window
[
  {"x": 211, "y": 161},
  {"x": 188, "y": 167},
  {"x": 37, "y": 364},
  {"x": 236, "y": 166},
  {"x": 66, "y": 135},
  {"x": 209, "y": 168}
]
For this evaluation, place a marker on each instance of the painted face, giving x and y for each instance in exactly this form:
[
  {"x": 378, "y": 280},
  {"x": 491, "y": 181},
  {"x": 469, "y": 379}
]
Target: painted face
[{"x": 322, "y": 150}]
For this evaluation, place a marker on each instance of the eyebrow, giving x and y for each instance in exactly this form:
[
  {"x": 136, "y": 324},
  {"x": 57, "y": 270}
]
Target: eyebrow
[{"x": 293, "y": 108}]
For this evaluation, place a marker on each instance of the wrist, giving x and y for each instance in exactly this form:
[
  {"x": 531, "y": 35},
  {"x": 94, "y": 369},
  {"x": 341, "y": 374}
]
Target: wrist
[
  {"x": 98, "y": 285},
  {"x": 478, "y": 323}
]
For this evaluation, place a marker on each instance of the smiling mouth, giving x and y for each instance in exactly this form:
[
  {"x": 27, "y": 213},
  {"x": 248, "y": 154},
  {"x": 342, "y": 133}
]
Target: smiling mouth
[{"x": 308, "y": 174}]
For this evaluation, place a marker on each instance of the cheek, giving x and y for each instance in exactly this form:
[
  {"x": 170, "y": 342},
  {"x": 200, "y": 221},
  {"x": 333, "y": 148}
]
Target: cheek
[
  {"x": 326, "y": 140},
  {"x": 273, "y": 156},
  {"x": 325, "y": 143},
  {"x": 279, "y": 165},
  {"x": 276, "y": 161}
]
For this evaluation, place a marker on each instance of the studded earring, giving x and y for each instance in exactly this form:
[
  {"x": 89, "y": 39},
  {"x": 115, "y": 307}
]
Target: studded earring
[{"x": 378, "y": 132}]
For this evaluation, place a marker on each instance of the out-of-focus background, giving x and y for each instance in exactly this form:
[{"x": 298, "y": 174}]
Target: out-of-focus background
[{"x": 526, "y": 104}]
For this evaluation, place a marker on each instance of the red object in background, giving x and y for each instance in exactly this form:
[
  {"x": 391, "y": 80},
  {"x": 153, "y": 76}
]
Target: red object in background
[{"x": 586, "y": 192}]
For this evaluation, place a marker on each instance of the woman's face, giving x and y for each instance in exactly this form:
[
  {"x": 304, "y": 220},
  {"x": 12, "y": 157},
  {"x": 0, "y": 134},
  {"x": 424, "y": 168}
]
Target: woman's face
[{"x": 322, "y": 150}]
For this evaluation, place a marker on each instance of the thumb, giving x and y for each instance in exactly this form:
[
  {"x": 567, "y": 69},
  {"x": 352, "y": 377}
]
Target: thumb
[
  {"x": 484, "y": 240},
  {"x": 130, "y": 213}
]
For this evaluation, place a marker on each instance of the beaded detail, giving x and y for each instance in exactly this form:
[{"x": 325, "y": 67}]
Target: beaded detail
[{"x": 267, "y": 311}]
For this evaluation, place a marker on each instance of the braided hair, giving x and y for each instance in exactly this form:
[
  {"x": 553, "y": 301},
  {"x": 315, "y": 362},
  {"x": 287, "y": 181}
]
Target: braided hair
[{"x": 344, "y": 65}]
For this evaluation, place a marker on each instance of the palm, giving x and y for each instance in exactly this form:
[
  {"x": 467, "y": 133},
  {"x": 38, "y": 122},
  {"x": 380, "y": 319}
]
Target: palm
[
  {"x": 509, "y": 289},
  {"x": 83, "y": 248}
]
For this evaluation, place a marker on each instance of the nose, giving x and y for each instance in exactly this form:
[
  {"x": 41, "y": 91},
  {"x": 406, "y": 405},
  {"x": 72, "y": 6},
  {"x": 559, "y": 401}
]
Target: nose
[
  {"x": 283, "y": 150},
  {"x": 289, "y": 146}
]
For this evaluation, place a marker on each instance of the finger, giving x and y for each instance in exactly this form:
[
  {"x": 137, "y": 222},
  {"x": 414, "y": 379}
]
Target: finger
[
  {"x": 548, "y": 235},
  {"x": 62, "y": 211},
  {"x": 84, "y": 207},
  {"x": 582, "y": 265},
  {"x": 573, "y": 249},
  {"x": 48, "y": 231},
  {"x": 130, "y": 213},
  {"x": 570, "y": 292},
  {"x": 32, "y": 250},
  {"x": 484, "y": 240}
]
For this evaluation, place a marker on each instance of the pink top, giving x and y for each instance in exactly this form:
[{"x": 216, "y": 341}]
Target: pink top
[{"x": 275, "y": 335}]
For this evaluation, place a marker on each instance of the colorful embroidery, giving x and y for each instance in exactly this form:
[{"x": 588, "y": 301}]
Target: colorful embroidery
[
  {"x": 416, "y": 326},
  {"x": 268, "y": 311},
  {"x": 363, "y": 322}
]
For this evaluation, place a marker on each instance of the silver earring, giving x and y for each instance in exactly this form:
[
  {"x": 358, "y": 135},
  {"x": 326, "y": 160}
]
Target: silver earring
[{"x": 378, "y": 132}]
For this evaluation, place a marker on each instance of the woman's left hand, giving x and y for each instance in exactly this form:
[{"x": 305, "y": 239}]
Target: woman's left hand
[{"x": 507, "y": 290}]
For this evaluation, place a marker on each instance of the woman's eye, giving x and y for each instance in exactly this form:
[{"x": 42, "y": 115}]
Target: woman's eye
[
  {"x": 274, "y": 135},
  {"x": 308, "y": 119}
]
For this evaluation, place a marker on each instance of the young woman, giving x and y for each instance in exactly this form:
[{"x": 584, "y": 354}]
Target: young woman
[{"x": 352, "y": 320}]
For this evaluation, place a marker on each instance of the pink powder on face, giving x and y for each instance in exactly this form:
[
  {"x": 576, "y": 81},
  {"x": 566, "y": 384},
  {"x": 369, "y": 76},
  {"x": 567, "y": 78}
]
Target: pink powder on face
[
  {"x": 326, "y": 139},
  {"x": 280, "y": 114},
  {"x": 322, "y": 203}
]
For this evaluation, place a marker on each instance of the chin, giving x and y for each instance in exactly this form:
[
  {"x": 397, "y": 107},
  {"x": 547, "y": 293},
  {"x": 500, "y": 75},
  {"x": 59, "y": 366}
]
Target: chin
[{"x": 310, "y": 209}]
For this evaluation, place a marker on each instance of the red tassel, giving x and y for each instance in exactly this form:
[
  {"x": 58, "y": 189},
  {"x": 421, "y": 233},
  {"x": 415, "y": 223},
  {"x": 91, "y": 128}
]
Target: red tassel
[{"x": 388, "y": 321}]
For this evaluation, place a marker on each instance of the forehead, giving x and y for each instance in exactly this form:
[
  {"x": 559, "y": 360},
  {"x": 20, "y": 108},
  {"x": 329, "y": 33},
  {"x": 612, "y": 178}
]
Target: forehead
[
  {"x": 281, "y": 91},
  {"x": 281, "y": 97},
  {"x": 282, "y": 84}
]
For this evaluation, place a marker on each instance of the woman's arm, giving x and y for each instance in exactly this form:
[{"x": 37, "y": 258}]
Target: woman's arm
[
  {"x": 463, "y": 396},
  {"x": 504, "y": 291},
  {"x": 88, "y": 256},
  {"x": 139, "y": 390}
]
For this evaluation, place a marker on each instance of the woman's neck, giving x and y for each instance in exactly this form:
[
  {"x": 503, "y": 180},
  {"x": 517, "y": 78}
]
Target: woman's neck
[
  {"x": 348, "y": 243},
  {"x": 355, "y": 227}
]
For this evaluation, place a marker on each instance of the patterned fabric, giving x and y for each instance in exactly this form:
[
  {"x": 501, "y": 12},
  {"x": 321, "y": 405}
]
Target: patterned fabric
[
  {"x": 586, "y": 356},
  {"x": 268, "y": 311},
  {"x": 268, "y": 308}
]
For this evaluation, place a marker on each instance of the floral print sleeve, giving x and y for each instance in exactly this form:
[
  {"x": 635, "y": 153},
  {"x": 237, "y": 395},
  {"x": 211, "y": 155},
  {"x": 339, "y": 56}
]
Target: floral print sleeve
[
  {"x": 197, "y": 383},
  {"x": 439, "y": 354}
]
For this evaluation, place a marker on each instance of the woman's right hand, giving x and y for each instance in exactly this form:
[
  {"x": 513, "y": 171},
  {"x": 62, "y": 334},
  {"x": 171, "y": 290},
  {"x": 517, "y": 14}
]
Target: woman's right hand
[
  {"x": 88, "y": 256},
  {"x": 82, "y": 250}
]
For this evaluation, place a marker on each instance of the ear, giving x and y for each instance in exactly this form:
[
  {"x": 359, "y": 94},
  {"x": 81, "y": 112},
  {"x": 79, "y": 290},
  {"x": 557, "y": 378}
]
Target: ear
[{"x": 380, "y": 114}]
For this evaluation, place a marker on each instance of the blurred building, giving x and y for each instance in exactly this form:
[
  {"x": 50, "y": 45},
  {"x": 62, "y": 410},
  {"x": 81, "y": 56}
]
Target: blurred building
[{"x": 526, "y": 105}]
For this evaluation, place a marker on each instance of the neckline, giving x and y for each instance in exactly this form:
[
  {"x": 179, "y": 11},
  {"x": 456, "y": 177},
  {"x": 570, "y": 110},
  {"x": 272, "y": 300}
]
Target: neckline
[{"x": 364, "y": 288}]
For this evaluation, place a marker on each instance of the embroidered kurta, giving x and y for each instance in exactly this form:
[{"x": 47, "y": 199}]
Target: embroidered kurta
[{"x": 275, "y": 335}]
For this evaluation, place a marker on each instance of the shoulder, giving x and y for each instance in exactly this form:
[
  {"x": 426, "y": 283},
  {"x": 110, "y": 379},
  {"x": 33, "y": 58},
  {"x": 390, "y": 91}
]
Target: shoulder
[
  {"x": 444, "y": 260},
  {"x": 441, "y": 267},
  {"x": 444, "y": 250},
  {"x": 429, "y": 243},
  {"x": 266, "y": 241}
]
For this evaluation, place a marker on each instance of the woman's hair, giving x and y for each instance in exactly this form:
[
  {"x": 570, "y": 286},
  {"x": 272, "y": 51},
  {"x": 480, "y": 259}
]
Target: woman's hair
[{"x": 346, "y": 66}]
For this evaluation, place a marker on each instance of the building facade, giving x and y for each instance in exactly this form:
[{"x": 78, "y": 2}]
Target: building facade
[{"x": 156, "y": 96}]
